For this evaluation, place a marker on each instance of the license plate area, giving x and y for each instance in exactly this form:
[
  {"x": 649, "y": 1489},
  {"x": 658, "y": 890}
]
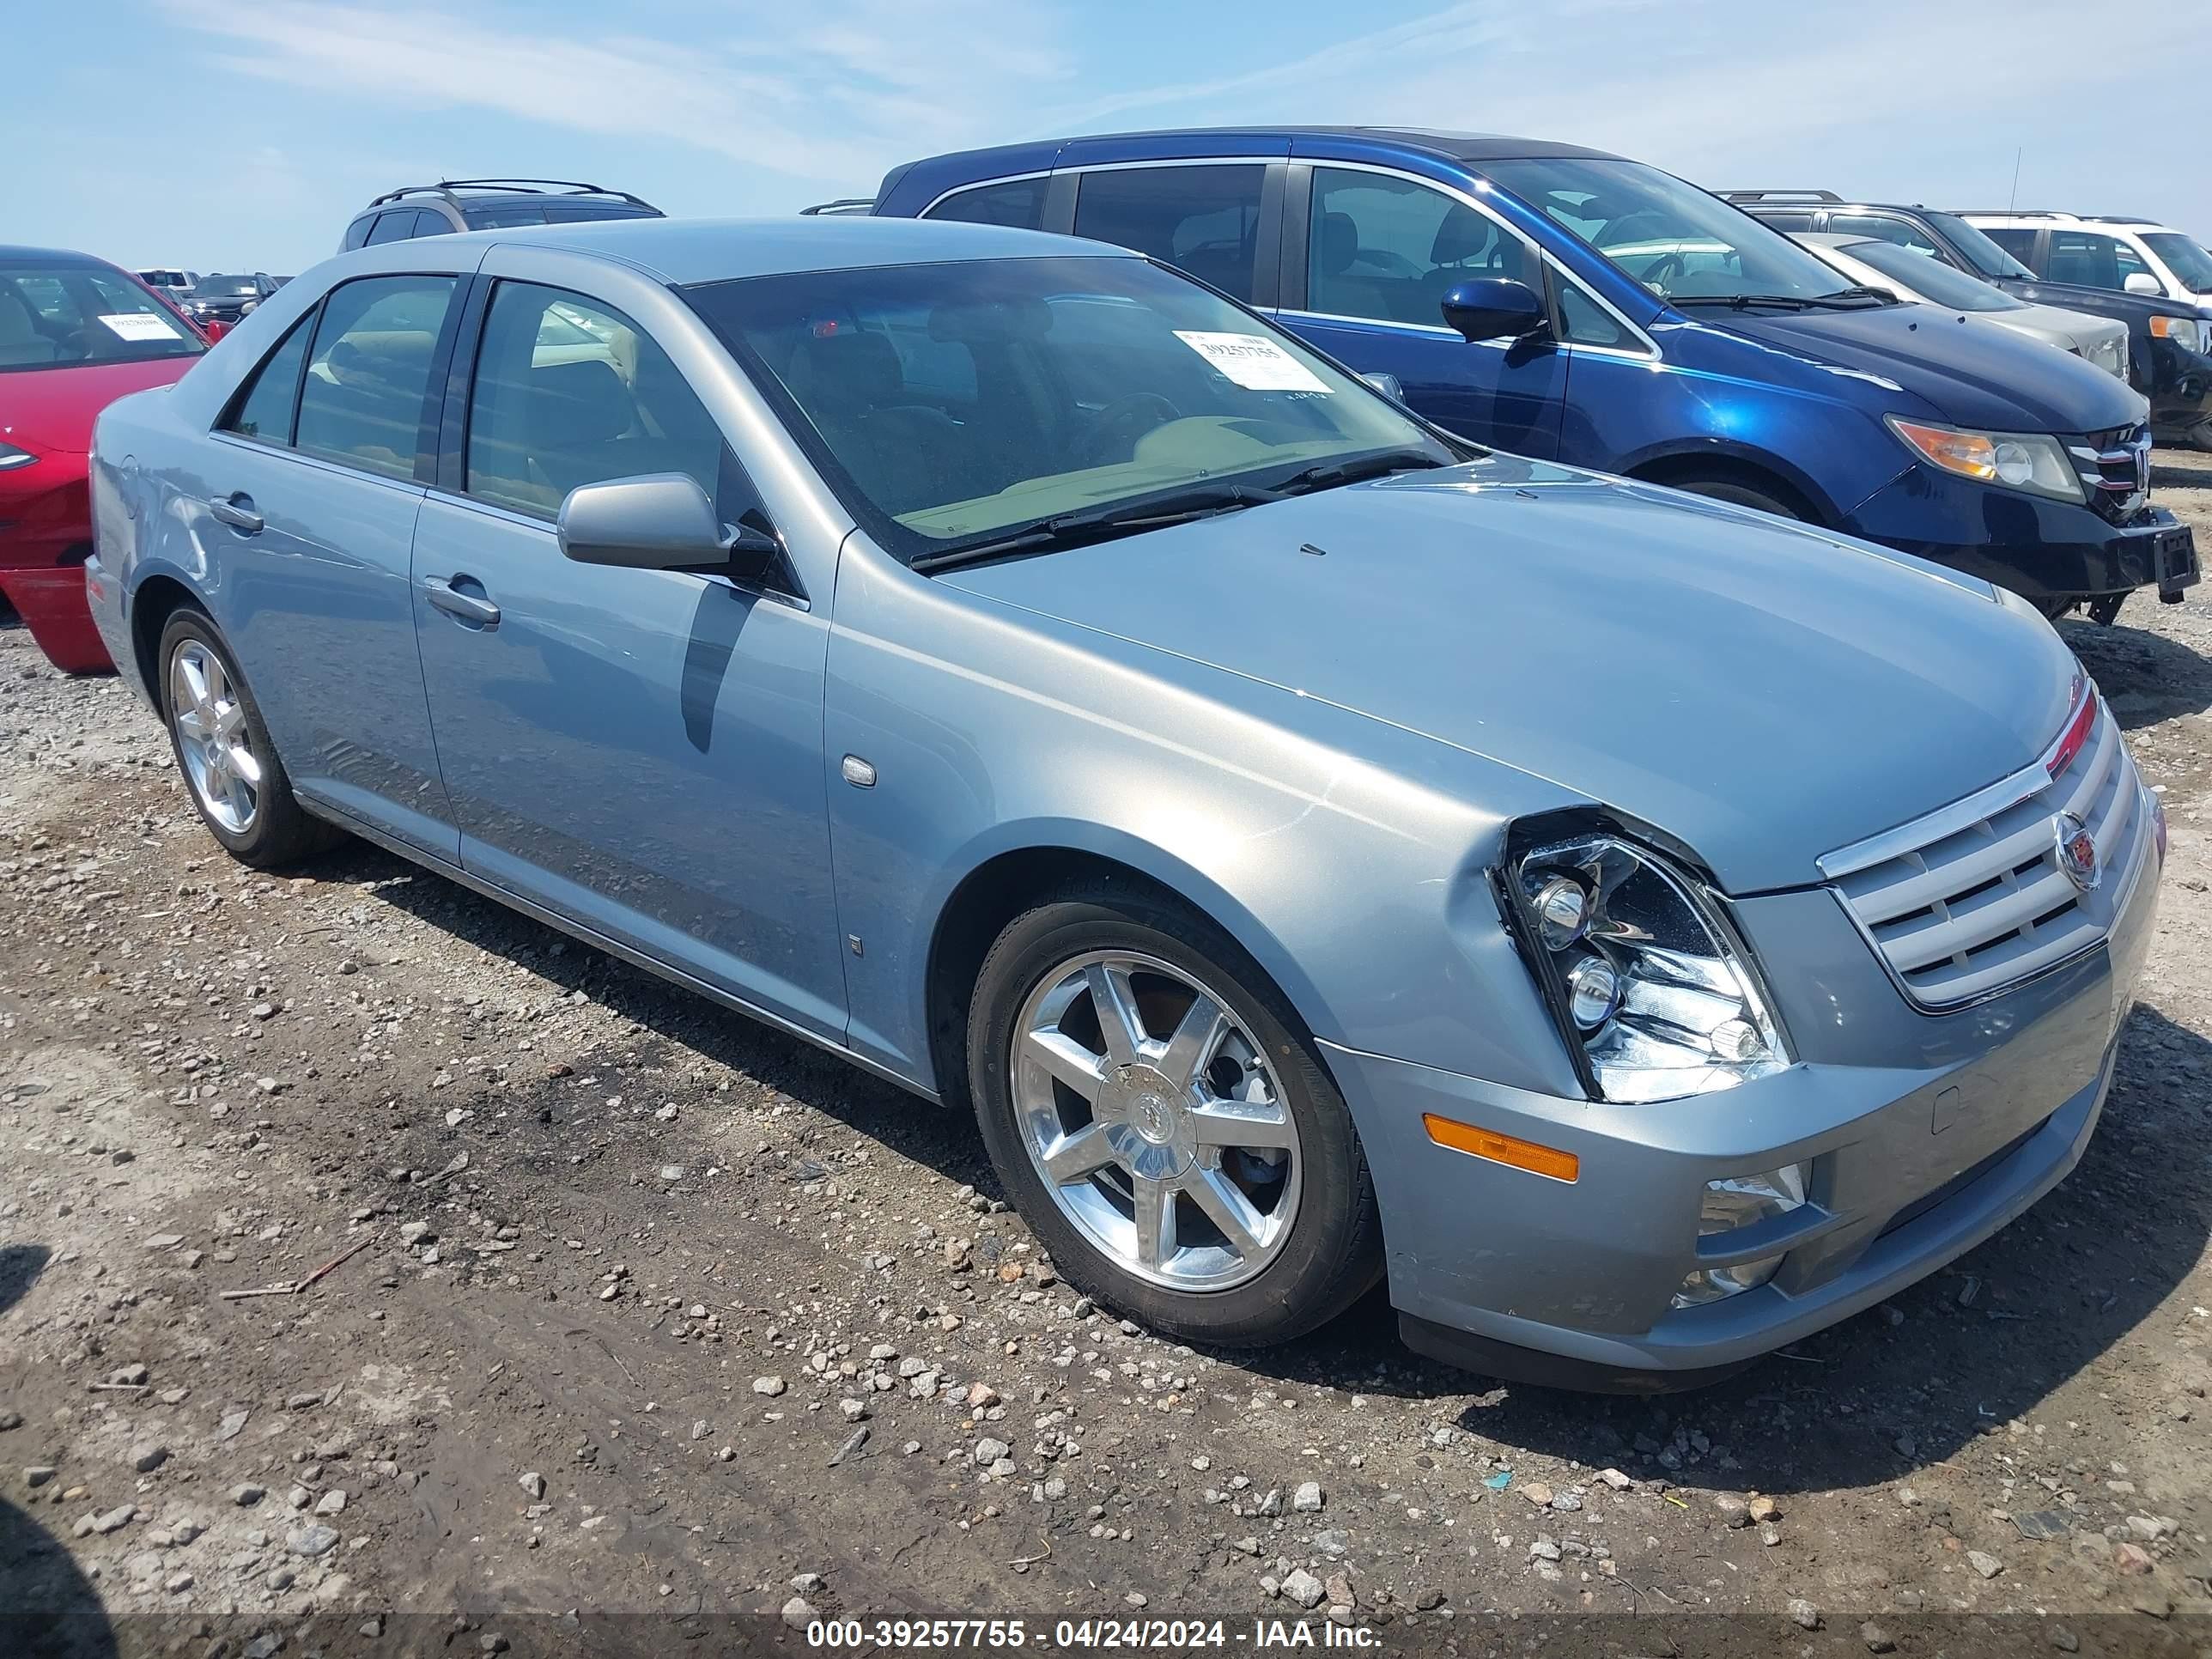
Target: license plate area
[{"x": 2174, "y": 556}]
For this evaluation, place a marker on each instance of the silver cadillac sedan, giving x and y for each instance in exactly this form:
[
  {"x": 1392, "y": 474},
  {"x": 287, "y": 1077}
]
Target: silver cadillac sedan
[{"x": 1642, "y": 931}]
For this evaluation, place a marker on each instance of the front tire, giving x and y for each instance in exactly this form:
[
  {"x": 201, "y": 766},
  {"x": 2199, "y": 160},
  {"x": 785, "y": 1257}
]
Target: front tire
[
  {"x": 224, "y": 753},
  {"x": 1154, "y": 1108}
]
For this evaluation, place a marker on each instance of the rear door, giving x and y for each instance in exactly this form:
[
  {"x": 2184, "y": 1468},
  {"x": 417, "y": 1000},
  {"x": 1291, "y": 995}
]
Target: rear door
[
  {"x": 637, "y": 751},
  {"x": 1369, "y": 254},
  {"x": 314, "y": 477}
]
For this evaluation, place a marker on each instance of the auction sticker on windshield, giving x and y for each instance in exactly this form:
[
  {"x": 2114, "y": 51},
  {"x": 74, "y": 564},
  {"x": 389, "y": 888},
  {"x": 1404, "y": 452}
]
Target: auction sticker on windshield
[
  {"x": 138, "y": 325},
  {"x": 1253, "y": 361}
]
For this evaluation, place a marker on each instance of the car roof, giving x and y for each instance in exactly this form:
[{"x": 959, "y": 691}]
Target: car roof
[
  {"x": 686, "y": 251},
  {"x": 11, "y": 255}
]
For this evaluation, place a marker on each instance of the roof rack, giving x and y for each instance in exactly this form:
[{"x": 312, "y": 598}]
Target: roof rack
[
  {"x": 446, "y": 187},
  {"x": 842, "y": 204},
  {"x": 1779, "y": 196}
]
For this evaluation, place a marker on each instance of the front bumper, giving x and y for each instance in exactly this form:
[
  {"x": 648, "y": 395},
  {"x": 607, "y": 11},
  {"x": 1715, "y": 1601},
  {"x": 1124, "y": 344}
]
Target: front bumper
[
  {"x": 2041, "y": 550},
  {"x": 1923, "y": 1134}
]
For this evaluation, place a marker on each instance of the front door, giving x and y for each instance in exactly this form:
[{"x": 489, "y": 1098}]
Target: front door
[
  {"x": 1381, "y": 253},
  {"x": 638, "y": 751}
]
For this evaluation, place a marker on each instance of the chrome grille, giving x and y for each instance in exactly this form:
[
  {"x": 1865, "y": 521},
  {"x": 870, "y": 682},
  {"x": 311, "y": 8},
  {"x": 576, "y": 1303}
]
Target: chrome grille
[
  {"x": 2115, "y": 469},
  {"x": 1974, "y": 898}
]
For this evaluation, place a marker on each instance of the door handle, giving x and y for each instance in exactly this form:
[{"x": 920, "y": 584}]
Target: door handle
[
  {"x": 236, "y": 510},
  {"x": 481, "y": 612}
]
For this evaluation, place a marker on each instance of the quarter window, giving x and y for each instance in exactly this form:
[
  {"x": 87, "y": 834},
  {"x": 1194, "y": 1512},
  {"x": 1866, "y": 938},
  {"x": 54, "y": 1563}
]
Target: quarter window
[
  {"x": 1583, "y": 321},
  {"x": 1389, "y": 249},
  {"x": 265, "y": 411},
  {"x": 570, "y": 392},
  {"x": 363, "y": 399},
  {"x": 394, "y": 226},
  {"x": 1019, "y": 203},
  {"x": 1205, "y": 219}
]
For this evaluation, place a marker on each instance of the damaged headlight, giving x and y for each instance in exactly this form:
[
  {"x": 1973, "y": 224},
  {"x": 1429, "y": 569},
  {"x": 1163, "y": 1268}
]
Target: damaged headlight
[{"x": 1653, "y": 991}]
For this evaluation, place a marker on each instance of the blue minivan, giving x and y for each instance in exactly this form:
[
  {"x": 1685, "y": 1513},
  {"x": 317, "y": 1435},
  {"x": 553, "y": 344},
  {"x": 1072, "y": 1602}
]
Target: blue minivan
[{"x": 1566, "y": 304}]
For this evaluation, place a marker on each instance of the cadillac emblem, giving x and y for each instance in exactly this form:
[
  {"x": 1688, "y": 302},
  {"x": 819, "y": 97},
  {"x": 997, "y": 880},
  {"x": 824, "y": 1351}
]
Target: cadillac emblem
[{"x": 2077, "y": 851}]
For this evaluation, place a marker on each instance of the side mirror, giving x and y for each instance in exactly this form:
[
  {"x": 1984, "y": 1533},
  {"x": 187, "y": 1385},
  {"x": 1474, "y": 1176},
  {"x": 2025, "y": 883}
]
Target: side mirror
[
  {"x": 1388, "y": 385},
  {"x": 662, "y": 521},
  {"x": 1493, "y": 308},
  {"x": 2141, "y": 282}
]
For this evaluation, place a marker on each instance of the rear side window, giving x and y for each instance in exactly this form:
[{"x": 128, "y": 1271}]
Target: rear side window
[
  {"x": 367, "y": 379},
  {"x": 2091, "y": 260},
  {"x": 1882, "y": 228},
  {"x": 1205, "y": 219},
  {"x": 396, "y": 225},
  {"x": 265, "y": 412},
  {"x": 1019, "y": 203},
  {"x": 357, "y": 233},
  {"x": 571, "y": 391},
  {"x": 1389, "y": 249},
  {"x": 503, "y": 218},
  {"x": 1785, "y": 220}
]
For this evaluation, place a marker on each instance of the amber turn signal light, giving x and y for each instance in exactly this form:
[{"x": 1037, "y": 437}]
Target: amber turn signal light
[{"x": 1502, "y": 1148}]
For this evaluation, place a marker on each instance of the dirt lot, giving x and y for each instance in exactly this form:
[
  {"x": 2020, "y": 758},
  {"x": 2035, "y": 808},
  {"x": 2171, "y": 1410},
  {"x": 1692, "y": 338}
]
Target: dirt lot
[{"x": 656, "y": 1321}]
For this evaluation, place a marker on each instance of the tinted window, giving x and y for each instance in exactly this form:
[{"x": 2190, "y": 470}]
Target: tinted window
[
  {"x": 357, "y": 233},
  {"x": 1390, "y": 249},
  {"x": 1881, "y": 226},
  {"x": 1584, "y": 322},
  {"x": 1019, "y": 203},
  {"x": 1933, "y": 281},
  {"x": 570, "y": 392},
  {"x": 2019, "y": 244},
  {"x": 504, "y": 216},
  {"x": 1785, "y": 219},
  {"x": 265, "y": 411},
  {"x": 2191, "y": 262},
  {"x": 59, "y": 316},
  {"x": 2092, "y": 259},
  {"x": 394, "y": 226},
  {"x": 1205, "y": 220},
  {"x": 368, "y": 372},
  {"x": 1089, "y": 381}
]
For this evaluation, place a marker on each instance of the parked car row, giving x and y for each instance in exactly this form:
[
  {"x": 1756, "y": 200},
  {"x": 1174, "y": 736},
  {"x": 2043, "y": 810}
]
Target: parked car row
[
  {"x": 1212, "y": 722},
  {"x": 1622, "y": 319}
]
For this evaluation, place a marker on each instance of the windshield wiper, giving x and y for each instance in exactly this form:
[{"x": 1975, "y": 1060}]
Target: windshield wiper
[
  {"x": 1104, "y": 523},
  {"x": 1847, "y": 299},
  {"x": 1329, "y": 474}
]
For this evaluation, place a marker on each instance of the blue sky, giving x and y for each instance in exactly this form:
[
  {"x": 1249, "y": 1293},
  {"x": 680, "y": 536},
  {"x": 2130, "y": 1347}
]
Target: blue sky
[{"x": 243, "y": 134}]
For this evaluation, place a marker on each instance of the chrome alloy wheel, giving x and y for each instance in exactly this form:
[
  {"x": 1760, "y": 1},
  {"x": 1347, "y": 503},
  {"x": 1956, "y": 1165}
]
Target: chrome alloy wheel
[
  {"x": 211, "y": 737},
  {"x": 1155, "y": 1121}
]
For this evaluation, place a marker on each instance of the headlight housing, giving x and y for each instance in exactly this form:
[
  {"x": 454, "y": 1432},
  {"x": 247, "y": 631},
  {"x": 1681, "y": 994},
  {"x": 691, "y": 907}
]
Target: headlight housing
[
  {"x": 2109, "y": 353},
  {"x": 2030, "y": 461},
  {"x": 11, "y": 457},
  {"x": 1655, "y": 995},
  {"x": 2185, "y": 331}
]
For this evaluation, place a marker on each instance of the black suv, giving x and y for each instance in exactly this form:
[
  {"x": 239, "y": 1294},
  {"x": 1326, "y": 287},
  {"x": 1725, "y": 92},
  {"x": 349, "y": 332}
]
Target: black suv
[
  {"x": 487, "y": 204},
  {"x": 2167, "y": 339}
]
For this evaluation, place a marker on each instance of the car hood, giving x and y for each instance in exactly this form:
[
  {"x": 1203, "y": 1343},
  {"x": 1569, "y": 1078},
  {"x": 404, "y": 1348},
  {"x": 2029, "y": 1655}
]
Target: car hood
[
  {"x": 1969, "y": 377},
  {"x": 53, "y": 409},
  {"x": 1764, "y": 692},
  {"x": 2078, "y": 326}
]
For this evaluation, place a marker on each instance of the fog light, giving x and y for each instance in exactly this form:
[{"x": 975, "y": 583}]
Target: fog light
[
  {"x": 1741, "y": 1201},
  {"x": 1713, "y": 1284}
]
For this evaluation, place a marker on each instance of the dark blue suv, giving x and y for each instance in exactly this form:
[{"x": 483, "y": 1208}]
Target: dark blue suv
[{"x": 1568, "y": 304}]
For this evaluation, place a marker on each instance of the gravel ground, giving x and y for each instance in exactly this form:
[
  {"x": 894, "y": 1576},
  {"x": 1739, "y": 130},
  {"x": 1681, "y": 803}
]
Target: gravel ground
[{"x": 642, "y": 1309}]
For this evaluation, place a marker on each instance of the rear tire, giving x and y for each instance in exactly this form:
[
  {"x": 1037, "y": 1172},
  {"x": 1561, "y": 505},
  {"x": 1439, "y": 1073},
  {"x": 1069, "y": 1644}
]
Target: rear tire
[
  {"x": 1235, "y": 1145},
  {"x": 224, "y": 750}
]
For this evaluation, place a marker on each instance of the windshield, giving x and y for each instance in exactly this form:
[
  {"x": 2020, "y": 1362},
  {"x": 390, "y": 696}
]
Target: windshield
[
  {"x": 1976, "y": 249},
  {"x": 224, "y": 286},
  {"x": 69, "y": 316},
  {"x": 2183, "y": 257},
  {"x": 952, "y": 403},
  {"x": 1930, "y": 278},
  {"x": 1676, "y": 240}
]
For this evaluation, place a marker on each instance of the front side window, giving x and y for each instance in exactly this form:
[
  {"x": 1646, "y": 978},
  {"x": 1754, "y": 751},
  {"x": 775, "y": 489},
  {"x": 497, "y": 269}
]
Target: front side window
[
  {"x": 1679, "y": 242},
  {"x": 1882, "y": 228},
  {"x": 1087, "y": 383},
  {"x": 2187, "y": 261},
  {"x": 1018, "y": 203},
  {"x": 571, "y": 391},
  {"x": 1389, "y": 249},
  {"x": 1205, "y": 219},
  {"x": 2092, "y": 259},
  {"x": 265, "y": 412},
  {"x": 2017, "y": 243},
  {"x": 368, "y": 384},
  {"x": 60, "y": 316}
]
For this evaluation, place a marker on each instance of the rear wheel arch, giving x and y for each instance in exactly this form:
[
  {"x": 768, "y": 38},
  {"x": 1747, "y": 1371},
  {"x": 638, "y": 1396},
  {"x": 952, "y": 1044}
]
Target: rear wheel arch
[{"x": 154, "y": 602}]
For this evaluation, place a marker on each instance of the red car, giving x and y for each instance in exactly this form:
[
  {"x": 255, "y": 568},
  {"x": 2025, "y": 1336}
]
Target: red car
[{"x": 75, "y": 334}]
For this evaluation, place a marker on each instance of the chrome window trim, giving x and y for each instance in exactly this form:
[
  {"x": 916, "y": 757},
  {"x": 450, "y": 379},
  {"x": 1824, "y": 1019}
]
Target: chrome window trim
[{"x": 1650, "y": 350}]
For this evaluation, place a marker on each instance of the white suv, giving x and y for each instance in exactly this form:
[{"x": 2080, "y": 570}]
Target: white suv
[{"x": 2135, "y": 256}]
